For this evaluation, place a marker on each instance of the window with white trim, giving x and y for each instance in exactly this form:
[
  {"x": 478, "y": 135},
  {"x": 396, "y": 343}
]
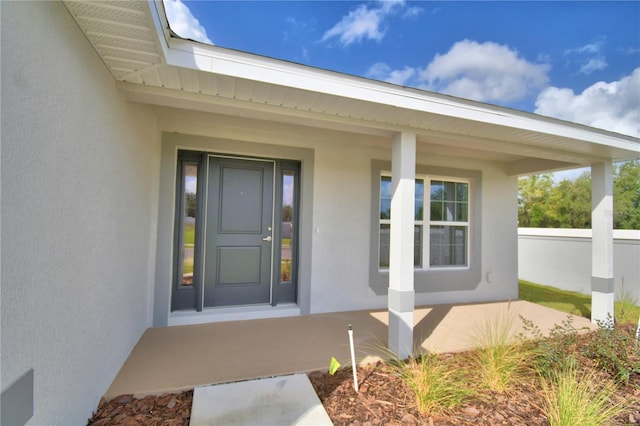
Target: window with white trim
[{"x": 446, "y": 244}]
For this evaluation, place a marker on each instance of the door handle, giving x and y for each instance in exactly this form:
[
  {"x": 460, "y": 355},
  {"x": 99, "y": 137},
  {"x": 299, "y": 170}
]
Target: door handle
[{"x": 267, "y": 238}]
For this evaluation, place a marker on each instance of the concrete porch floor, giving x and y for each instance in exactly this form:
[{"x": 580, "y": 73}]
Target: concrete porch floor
[{"x": 171, "y": 359}]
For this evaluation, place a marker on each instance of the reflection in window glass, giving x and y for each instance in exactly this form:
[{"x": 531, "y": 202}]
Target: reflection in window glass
[
  {"x": 417, "y": 246},
  {"x": 287, "y": 227},
  {"x": 384, "y": 245},
  {"x": 385, "y": 239},
  {"x": 190, "y": 181},
  {"x": 449, "y": 201},
  {"x": 385, "y": 197},
  {"x": 385, "y": 224},
  {"x": 419, "y": 203},
  {"x": 448, "y": 238},
  {"x": 443, "y": 230},
  {"x": 448, "y": 245}
]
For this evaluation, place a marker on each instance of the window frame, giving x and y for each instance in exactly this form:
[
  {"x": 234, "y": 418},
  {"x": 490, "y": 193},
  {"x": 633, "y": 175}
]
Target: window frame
[
  {"x": 425, "y": 222},
  {"x": 439, "y": 278},
  {"x": 466, "y": 224},
  {"x": 190, "y": 297}
]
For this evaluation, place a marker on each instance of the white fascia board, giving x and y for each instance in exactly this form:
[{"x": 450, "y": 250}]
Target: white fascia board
[
  {"x": 161, "y": 25},
  {"x": 192, "y": 55},
  {"x": 207, "y": 58}
]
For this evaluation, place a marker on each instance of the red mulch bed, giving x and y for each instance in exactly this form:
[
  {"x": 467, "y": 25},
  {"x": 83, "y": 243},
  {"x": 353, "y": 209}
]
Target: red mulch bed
[
  {"x": 383, "y": 399},
  {"x": 169, "y": 410}
]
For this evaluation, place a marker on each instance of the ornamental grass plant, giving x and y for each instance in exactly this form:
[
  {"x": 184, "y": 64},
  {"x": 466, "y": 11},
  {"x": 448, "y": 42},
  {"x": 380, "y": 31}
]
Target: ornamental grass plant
[
  {"x": 435, "y": 383},
  {"x": 626, "y": 309},
  {"x": 500, "y": 359},
  {"x": 579, "y": 398}
]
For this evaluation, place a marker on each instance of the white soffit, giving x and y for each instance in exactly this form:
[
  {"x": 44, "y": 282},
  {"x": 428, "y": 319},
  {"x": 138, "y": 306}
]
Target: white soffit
[
  {"x": 133, "y": 40},
  {"x": 122, "y": 34}
]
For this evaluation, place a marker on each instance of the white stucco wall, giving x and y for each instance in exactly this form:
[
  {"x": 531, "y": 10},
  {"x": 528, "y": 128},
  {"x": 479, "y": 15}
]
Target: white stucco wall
[
  {"x": 341, "y": 240},
  {"x": 337, "y": 232},
  {"x": 562, "y": 258},
  {"x": 79, "y": 197}
]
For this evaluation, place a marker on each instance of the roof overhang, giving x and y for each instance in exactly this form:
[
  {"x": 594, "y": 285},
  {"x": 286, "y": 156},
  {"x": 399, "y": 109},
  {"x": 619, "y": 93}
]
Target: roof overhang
[{"x": 153, "y": 66}]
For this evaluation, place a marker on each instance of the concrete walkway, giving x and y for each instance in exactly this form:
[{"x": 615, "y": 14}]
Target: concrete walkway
[
  {"x": 171, "y": 359},
  {"x": 275, "y": 401}
]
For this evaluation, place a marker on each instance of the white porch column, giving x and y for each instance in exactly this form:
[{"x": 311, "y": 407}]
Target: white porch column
[
  {"x": 401, "y": 292},
  {"x": 602, "y": 285}
]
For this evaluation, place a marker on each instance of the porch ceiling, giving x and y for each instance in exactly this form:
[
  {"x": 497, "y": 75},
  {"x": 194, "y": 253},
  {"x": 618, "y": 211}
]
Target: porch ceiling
[{"x": 153, "y": 66}]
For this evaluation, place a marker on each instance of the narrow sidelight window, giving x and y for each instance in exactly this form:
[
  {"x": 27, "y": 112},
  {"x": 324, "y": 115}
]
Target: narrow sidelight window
[
  {"x": 288, "y": 226},
  {"x": 190, "y": 188},
  {"x": 287, "y": 214}
]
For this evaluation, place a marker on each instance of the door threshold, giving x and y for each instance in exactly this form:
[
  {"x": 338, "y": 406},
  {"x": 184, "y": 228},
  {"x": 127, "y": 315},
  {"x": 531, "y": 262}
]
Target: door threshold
[{"x": 233, "y": 313}]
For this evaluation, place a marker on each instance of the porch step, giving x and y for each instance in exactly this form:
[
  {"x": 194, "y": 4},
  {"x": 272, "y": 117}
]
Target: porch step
[{"x": 278, "y": 401}]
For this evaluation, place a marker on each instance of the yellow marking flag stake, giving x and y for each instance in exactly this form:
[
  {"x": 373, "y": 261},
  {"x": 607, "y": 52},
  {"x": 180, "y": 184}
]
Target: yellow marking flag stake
[{"x": 333, "y": 366}]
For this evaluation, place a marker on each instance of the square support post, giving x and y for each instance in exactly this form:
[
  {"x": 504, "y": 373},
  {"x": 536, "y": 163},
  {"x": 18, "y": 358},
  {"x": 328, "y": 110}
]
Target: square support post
[
  {"x": 602, "y": 283},
  {"x": 401, "y": 298}
]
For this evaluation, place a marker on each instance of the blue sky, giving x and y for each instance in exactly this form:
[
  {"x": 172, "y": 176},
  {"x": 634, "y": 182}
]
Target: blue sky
[{"x": 578, "y": 61}]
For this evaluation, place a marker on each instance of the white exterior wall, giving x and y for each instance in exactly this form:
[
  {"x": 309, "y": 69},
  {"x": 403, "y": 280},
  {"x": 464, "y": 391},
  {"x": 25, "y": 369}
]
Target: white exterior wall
[
  {"x": 561, "y": 258},
  {"x": 79, "y": 201},
  {"x": 341, "y": 235},
  {"x": 342, "y": 200},
  {"x": 336, "y": 234}
]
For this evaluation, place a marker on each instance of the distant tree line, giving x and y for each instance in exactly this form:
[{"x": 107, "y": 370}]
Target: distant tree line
[
  {"x": 543, "y": 203},
  {"x": 190, "y": 204}
]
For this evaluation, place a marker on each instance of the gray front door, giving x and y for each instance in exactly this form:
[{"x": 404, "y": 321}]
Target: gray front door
[{"x": 238, "y": 235}]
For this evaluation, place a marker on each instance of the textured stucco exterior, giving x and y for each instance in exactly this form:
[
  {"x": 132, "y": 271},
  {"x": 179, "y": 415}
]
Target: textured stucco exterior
[
  {"x": 88, "y": 185},
  {"x": 79, "y": 197},
  {"x": 562, "y": 258},
  {"x": 336, "y": 227}
]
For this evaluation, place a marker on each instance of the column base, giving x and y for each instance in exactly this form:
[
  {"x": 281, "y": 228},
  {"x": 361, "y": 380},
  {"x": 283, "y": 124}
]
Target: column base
[
  {"x": 401, "y": 333},
  {"x": 602, "y": 307}
]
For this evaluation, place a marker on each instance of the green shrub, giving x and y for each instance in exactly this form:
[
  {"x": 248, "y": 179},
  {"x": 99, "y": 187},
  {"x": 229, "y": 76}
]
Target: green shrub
[
  {"x": 614, "y": 348},
  {"x": 555, "y": 352}
]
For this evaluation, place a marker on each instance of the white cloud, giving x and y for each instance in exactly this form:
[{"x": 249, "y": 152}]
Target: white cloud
[
  {"x": 594, "y": 47},
  {"x": 388, "y": 6},
  {"x": 486, "y": 72},
  {"x": 363, "y": 23},
  {"x": 613, "y": 106},
  {"x": 412, "y": 12},
  {"x": 629, "y": 50},
  {"x": 589, "y": 56},
  {"x": 305, "y": 54},
  {"x": 592, "y": 65},
  {"x": 183, "y": 23},
  {"x": 382, "y": 71},
  {"x": 379, "y": 71}
]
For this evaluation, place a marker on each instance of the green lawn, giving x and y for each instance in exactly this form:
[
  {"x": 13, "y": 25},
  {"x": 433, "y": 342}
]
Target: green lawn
[
  {"x": 189, "y": 234},
  {"x": 626, "y": 310}
]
